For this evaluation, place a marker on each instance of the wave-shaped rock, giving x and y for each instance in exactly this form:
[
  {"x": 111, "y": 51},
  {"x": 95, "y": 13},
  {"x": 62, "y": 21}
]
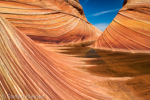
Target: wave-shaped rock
[
  {"x": 130, "y": 29},
  {"x": 58, "y": 22},
  {"x": 27, "y": 71}
]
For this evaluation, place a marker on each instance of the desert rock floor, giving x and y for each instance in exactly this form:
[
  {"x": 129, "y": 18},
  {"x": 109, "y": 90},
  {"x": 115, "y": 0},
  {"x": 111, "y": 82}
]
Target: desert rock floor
[{"x": 127, "y": 74}]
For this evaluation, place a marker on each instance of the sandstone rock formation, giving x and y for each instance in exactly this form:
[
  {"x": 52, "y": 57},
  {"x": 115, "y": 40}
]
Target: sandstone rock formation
[
  {"x": 27, "y": 71},
  {"x": 58, "y": 22},
  {"x": 30, "y": 72},
  {"x": 130, "y": 29}
]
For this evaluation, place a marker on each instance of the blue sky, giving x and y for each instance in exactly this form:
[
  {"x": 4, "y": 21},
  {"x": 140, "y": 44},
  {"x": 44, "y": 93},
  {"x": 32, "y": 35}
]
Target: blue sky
[{"x": 101, "y": 12}]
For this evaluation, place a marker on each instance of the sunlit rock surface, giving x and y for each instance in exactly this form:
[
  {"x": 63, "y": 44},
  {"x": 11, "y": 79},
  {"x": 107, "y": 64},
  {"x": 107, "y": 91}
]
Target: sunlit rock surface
[
  {"x": 55, "y": 22},
  {"x": 130, "y": 29},
  {"x": 30, "y": 71},
  {"x": 27, "y": 70},
  {"x": 126, "y": 74}
]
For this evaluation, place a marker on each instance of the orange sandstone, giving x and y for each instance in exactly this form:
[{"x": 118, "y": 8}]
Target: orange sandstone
[
  {"x": 27, "y": 71},
  {"x": 57, "y": 22},
  {"x": 130, "y": 29}
]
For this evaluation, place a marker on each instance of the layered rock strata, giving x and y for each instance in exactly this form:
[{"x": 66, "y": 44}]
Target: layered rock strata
[
  {"x": 130, "y": 29},
  {"x": 27, "y": 71},
  {"x": 58, "y": 22}
]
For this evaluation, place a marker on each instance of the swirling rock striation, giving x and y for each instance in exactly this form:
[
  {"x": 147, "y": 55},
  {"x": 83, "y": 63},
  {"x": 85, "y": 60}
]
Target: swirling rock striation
[
  {"x": 58, "y": 22},
  {"x": 27, "y": 71},
  {"x": 130, "y": 29}
]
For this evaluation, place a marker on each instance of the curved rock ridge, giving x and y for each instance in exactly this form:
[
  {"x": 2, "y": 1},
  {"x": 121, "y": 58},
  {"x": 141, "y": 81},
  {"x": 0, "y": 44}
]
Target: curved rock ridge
[
  {"x": 57, "y": 22},
  {"x": 27, "y": 71},
  {"x": 130, "y": 29}
]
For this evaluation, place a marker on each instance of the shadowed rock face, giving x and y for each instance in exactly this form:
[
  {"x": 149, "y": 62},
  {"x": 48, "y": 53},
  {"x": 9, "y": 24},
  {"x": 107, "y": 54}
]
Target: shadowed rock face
[
  {"x": 29, "y": 71},
  {"x": 57, "y": 22},
  {"x": 130, "y": 29}
]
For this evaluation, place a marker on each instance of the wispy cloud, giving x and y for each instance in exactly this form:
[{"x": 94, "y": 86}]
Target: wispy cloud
[
  {"x": 104, "y": 12},
  {"x": 101, "y": 26},
  {"x": 86, "y": 1}
]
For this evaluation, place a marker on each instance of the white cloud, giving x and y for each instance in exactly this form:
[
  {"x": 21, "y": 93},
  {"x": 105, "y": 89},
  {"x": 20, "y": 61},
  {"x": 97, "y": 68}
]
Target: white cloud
[
  {"x": 101, "y": 26},
  {"x": 104, "y": 12}
]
